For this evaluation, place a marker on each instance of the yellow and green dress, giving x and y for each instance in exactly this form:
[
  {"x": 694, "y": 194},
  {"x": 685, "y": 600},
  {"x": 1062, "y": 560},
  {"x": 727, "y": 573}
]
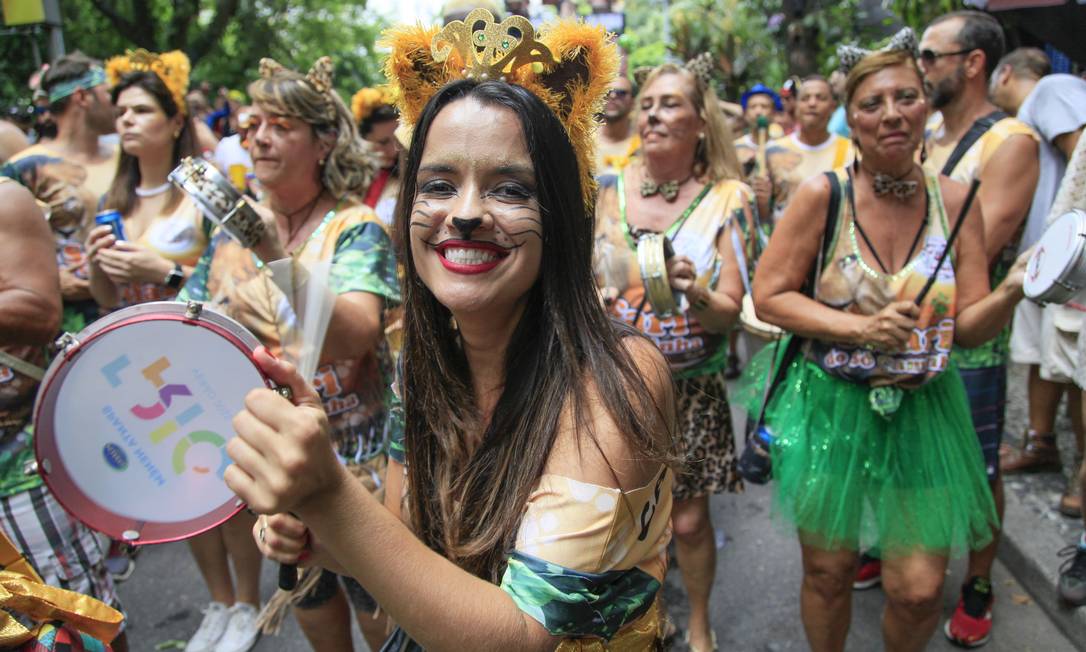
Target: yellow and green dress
[
  {"x": 874, "y": 445},
  {"x": 696, "y": 356},
  {"x": 589, "y": 562}
]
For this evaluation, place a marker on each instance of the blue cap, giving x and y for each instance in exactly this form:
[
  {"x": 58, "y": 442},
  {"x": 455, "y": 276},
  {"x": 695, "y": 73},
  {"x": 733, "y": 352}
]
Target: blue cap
[{"x": 761, "y": 89}]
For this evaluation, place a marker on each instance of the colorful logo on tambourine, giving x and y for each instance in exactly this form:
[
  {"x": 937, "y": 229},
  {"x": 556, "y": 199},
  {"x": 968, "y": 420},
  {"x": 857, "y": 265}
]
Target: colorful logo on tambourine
[{"x": 174, "y": 409}]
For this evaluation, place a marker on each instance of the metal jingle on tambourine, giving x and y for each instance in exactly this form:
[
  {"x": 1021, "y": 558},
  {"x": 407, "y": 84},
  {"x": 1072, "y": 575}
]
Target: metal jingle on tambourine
[
  {"x": 219, "y": 200},
  {"x": 652, "y": 257}
]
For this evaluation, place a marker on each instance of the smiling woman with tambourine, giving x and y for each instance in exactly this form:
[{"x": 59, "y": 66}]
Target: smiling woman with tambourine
[{"x": 666, "y": 266}]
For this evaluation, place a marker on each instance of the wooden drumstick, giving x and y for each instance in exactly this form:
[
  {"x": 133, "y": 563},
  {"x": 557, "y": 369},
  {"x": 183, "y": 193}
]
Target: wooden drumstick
[{"x": 950, "y": 241}]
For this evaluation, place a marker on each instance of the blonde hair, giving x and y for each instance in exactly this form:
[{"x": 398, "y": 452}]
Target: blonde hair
[
  {"x": 350, "y": 165},
  {"x": 715, "y": 157}
]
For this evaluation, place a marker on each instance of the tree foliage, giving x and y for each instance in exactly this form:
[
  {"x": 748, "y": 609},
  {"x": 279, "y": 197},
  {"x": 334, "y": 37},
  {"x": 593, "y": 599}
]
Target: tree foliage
[
  {"x": 766, "y": 40},
  {"x": 225, "y": 39}
]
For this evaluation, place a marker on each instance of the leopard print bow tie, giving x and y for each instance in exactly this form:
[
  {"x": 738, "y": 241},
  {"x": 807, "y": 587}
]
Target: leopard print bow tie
[
  {"x": 885, "y": 184},
  {"x": 669, "y": 190}
]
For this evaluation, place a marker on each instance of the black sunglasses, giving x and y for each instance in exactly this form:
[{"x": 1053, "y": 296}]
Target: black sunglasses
[
  {"x": 929, "y": 56},
  {"x": 618, "y": 93}
]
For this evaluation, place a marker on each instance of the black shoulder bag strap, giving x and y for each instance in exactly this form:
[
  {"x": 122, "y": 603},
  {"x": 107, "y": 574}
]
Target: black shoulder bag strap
[
  {"x": 979, "y": 128},
  {"x": 777, "y": 373}
]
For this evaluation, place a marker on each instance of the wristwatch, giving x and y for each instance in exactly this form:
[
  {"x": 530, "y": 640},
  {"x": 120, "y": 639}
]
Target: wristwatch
[{"x": 175, "y": 278}]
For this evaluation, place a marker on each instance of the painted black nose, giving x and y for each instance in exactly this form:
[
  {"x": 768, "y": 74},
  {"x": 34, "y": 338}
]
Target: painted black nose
[{"x": 466, "y": 226}]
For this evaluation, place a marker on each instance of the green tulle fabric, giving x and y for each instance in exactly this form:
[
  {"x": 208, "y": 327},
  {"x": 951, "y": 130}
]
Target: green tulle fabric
[{"x": 847, "y": 476}]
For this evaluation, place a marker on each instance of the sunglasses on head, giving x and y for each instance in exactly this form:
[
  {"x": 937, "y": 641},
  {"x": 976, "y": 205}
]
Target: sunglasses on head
[{"x": 929, "y": 56}]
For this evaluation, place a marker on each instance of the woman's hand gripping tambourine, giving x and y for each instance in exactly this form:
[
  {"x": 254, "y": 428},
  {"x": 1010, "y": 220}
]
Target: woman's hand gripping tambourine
[
  {"x": 661, "y": 271},
  {"x": 133, "y": 417},
  {"x": 219, "y": 200}
]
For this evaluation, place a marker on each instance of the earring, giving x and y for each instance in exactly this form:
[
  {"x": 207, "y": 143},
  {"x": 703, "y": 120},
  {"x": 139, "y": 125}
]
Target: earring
[
  {"x": 322, "y": 162},
  {"x": 177, "y": 134},
  {"x": 701, "y": 136},
  {"x": 923, "y": 150}
]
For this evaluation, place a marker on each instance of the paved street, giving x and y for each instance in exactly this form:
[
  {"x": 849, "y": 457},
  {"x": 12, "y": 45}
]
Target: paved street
[
  {"x": 755, "y": 606},
  {"x": 756, "y": 595}
]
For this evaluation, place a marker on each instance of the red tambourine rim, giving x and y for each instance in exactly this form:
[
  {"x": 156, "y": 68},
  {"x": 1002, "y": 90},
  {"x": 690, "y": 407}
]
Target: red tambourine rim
[{"x": 71, "y": 497}]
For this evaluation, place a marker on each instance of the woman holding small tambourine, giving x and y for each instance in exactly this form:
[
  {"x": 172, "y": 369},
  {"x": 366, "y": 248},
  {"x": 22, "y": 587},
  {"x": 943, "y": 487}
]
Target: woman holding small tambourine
[
  {"x": 165, "y": 232},
  {"x": 686, "y": 187},
  {"x": 872, "y": 435},
  {"x": 312, "y": 166}
]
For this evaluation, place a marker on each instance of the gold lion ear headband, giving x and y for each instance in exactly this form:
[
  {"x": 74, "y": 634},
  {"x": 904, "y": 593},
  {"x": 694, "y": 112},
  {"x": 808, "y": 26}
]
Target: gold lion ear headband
[
  {"x": 319, "y": 78},
  {"x": 569, "y": 67},
  {"x": 172, "y": 68}
]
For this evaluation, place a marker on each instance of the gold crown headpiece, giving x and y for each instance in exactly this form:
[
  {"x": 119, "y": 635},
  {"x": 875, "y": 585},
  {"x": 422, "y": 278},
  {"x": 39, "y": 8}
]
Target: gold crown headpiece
[
  {"x": 172, "y": 68},
  {"x": 569, "y": 67},
  {"x": 366, "y": 101}
]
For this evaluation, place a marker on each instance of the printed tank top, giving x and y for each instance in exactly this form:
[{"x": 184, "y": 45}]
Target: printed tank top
[{"x": 850, "y": 284}]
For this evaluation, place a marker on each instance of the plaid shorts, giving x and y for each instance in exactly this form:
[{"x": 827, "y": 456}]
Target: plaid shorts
[{"x": 62, "y": 550}]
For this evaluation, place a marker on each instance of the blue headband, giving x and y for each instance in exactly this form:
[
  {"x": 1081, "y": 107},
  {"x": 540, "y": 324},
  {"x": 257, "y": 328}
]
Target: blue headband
[{"x": 93, "y": 77}]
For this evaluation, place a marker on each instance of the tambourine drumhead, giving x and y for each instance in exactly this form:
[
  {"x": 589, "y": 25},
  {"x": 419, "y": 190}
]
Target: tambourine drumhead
[
  {"x": 1057, "y": 267},
  {"x": 131, "y": 421}
]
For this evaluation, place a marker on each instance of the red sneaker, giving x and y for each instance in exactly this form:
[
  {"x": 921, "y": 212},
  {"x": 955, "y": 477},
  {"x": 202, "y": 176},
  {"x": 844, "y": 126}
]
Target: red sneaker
[
  {"x": 869, "y": 573},
  {"x": 971, "y": 624}
]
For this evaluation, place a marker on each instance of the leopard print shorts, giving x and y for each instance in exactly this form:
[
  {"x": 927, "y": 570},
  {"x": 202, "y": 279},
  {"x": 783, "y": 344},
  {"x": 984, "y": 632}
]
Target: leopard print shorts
[{"x": 705, "y": 421}]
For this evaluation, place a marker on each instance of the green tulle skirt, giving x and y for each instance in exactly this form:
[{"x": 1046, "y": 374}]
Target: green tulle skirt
[{"x": 848, "y": 477}]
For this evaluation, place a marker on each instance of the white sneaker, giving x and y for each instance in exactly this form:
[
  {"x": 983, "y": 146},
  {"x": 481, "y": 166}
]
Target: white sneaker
[
  {"x": 211, "y": 628},
  {"x": 241, "y": 631}
]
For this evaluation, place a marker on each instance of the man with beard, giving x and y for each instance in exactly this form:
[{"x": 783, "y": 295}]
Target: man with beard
[
  {"x": 616, "y": 141},
  {"x": 971, "y": 139},
  {"x": 68, "y": 174},
  {"x": 807, "y": 151}
]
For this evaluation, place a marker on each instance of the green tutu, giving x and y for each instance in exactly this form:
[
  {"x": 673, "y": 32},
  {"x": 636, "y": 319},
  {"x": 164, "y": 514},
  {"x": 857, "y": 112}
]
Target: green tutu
[{"x": 846, "y": 476}]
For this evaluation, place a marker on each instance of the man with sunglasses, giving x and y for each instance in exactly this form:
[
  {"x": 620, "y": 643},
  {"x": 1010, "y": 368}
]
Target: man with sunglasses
[
  {"x": 971, "y": 139},
  {"x": 616, "y": 140}
]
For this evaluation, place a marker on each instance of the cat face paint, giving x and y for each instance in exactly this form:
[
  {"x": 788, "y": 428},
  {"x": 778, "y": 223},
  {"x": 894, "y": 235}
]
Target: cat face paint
[{"x": 476, "y": 234}]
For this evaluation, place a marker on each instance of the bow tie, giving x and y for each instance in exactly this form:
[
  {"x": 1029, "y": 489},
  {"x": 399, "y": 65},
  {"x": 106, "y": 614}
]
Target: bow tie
[
  {"x": 886, "y": 184},
  {"x": 669, "y": 190}
]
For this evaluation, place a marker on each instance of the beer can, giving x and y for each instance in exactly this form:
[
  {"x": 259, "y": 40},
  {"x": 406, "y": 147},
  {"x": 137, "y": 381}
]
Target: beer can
[{"x": 113, "y": 219}]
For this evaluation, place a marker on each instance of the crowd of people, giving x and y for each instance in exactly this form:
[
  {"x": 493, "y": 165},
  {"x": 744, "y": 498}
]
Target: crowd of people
[{"x": 512, "y": 416}]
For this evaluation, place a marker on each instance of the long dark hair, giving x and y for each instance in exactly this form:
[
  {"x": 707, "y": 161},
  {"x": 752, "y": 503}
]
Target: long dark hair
[
  {"x": 121, "y": 195},
  {"x": 466, "y": 494}
]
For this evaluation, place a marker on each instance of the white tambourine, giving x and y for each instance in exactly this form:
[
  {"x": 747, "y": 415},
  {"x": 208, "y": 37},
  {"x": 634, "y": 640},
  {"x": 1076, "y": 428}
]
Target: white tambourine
[
  {"x": 1057, "y": 267},
  {"x": 751, "y": 324},
  {"x": 132, "y": 418},
  {"x": 218, "y": 199}
]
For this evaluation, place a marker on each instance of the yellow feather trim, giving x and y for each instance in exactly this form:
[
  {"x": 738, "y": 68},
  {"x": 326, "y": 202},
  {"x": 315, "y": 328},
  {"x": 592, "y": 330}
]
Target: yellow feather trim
[
  {"x": 173, "y": 68},
  {"x": 574, "y": 88}
]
